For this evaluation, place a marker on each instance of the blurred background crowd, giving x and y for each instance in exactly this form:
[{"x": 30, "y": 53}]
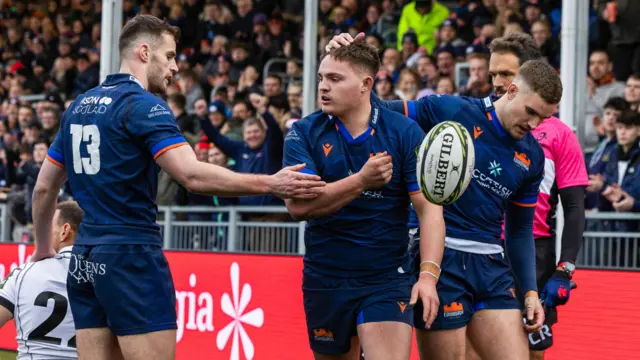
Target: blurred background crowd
[{"x": 241, "y": 69}]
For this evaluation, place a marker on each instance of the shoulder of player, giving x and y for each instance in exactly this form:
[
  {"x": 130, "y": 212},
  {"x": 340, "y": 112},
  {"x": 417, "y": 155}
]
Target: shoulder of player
[
  {"x": 306, "y": 126},
  {"x": 13, "y": 274},
  {"x": 394, "y": 120}
]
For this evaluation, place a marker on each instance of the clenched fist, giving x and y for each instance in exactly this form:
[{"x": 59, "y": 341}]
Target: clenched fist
[{"x": 377, "y": 171}]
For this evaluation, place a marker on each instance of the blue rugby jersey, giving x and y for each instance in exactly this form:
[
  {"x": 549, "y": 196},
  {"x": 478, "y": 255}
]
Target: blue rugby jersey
[
  {"x": 108, "y": 141},
  {"x": 367, "y": 237},
  {"x": 505, "y": 169}
]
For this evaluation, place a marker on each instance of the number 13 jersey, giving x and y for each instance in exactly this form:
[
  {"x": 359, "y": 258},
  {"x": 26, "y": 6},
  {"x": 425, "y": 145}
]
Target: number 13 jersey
[
  {"x": 108, "y": 141},
  {"x": 36, "y": 294}
]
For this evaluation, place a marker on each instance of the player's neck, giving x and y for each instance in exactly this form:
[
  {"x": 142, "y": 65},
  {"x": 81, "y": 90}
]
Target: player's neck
[
  {"x": 356, "y": 120},
  {"x": 137, "y": 73},
  {"x": 498, "y": 105}
]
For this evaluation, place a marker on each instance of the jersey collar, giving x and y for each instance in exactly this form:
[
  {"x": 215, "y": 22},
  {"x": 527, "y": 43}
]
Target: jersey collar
[
  {"x": 115, "y": 79},
  {"x": 66, "y": 249},
  {"x": 373, "y": 123},
  {"x": 490, "y": 110}
]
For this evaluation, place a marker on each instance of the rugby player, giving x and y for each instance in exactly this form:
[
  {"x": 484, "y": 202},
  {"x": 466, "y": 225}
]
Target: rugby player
[
  {"x": 565, "y": 176},
  {"x": 35, "y": 295},
  {"x": 357, "y": 284},
  {"x": 476, "y": 287},
  {"x": 110, "y": 143}
]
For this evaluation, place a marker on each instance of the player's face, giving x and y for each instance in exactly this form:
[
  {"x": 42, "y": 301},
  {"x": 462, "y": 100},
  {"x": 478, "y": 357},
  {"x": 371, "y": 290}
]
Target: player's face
[
  {"x": 162, "y": 66},
  {"x": 524, "y": 111},
  {"x": 503, "y": 67},
  {"x": 339, "y": 86}
]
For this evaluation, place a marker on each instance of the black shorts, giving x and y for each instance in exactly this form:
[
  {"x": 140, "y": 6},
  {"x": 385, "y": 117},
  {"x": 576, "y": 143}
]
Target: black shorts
[{"x": 545, "y": 267}]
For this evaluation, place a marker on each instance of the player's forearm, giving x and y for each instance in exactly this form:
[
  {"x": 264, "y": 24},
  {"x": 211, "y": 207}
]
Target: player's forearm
[
  {"x": 432, "y": 235},
  {"x": 520, "y": 245},
  {"x": 573, "y": 207},
  {"x": 335, "y": 196},
  {"x": 43, "y": 207},
  {"x": 215, "y": 180}
]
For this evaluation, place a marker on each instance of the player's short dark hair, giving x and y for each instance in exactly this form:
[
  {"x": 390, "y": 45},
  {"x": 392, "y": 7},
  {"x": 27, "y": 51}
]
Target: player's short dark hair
[
  {"x": 360, "y": 54},
  {"x": 543, "y": 79},
  {"x": 519, "y": 44},
  {"x": 70, "y": 213},
  {"x": 178, "y": 99},
  {"x": 617, "y": 103},
  {"x": 629, "y": 118},
  {"x": 145, "y": 25}
]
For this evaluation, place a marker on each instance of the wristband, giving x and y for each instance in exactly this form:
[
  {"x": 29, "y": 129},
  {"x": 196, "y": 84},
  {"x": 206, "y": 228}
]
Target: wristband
[
  {"x": 430, "y": 267},
  {"x": 430, "y": 273}
]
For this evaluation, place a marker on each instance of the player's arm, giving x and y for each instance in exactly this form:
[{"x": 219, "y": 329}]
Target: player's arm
[
  {"x": 336, "y": 194},
  {"x": 203, "y": 178},
  {"x": 51, "y": 177},
  {"x": 518, "y": 233},
  {"x": 572, "y": 199},
  {"x": 158, "y": 131},
  {"x": 431, "y": 219}
]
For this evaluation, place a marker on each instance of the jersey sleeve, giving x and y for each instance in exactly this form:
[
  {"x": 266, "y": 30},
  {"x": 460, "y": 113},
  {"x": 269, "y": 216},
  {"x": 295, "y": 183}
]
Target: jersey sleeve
[
  {"x": 56, "y": 153},
  {"x": 298, "y": 151},
  {"x": 571, "y": 169},
  {"x": 429, "y": 110},
  {"x": 412, "y": 141},
  {"x": 527, "y": 194},
  {"x": 8, "y": 290},
  {"x": 150, "y": 120}
]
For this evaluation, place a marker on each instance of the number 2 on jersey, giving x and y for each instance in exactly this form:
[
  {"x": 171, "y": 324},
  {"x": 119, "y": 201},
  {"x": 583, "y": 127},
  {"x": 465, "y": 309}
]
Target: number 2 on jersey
[
  {"x": 60, "y": 305},
  {"x": 86, "y": 133}
]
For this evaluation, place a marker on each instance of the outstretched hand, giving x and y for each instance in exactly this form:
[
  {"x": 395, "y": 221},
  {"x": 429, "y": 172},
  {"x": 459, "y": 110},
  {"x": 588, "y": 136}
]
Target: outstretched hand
[{"x": 291, "y": 183}]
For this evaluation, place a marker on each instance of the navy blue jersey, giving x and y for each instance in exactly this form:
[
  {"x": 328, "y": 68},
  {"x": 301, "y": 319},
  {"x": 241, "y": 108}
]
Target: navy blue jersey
[
  {"x": 368, "y": 236},
  {"x": 108, "y": 141},
  {"x": 505, "y": 169}
]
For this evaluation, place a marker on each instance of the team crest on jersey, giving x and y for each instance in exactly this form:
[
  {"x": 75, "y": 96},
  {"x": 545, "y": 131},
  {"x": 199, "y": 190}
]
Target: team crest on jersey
[{"x": 522, "y": 161}]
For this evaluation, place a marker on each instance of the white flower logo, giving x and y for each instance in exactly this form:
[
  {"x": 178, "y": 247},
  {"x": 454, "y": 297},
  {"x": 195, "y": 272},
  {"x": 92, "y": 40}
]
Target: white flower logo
[{"x": 236, "y": 310}]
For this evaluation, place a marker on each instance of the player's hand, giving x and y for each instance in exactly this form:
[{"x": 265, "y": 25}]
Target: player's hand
[
  {"x": 341, "y": 40},
  {"x": 534, "y": 312},
  {"x": 291, "y": 183},
  {"x": 377, "y": 171},
  {"x": 41, "y": 254},
  {"x": 557, "y": 289},
  {"x": 425, "y": 289}
]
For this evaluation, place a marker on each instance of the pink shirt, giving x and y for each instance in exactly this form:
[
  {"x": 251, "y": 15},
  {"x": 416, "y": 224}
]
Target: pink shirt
[{"x": 564, "y": 167}]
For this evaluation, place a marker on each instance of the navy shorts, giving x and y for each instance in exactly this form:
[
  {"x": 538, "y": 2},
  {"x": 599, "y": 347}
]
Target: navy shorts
[
  {"x": 127, "y": 288},
  {"x": 468, "y": 283},
  {"x": 335, "y": 307}
]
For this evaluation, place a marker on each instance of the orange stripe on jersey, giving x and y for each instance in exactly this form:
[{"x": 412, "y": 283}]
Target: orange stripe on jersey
[
  {"x": 55, "y": 162},
  {"x": 406, "y": 108},
  {"x": 489, "y": 116},
  {"x": 169, "y": 148},
  {"x": 524, "y": 205},
  {"x": 414, "y": 192}
]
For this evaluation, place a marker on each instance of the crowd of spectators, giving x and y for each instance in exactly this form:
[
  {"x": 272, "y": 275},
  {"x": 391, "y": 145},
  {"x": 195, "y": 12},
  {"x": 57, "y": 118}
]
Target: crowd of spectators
[{"x": 240, "y": 67}]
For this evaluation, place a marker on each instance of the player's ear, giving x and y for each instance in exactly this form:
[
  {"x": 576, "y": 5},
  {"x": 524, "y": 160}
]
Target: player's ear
[
  {"x": 65, "y": 231},
  {"x": 144, "y": 52},
  {"x": 367, "y": 84},
  {"x": 512, "y": 90}
]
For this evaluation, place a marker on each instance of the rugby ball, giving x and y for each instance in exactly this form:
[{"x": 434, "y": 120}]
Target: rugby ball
[{"x": 446, "y": 159}]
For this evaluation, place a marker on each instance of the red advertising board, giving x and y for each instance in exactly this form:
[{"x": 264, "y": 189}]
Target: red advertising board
[{"x": 239, "y": 307}]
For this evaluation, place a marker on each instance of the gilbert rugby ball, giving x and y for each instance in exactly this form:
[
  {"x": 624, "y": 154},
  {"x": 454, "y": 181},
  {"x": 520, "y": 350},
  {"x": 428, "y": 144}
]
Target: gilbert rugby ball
[{"x": 445, "y": 164}]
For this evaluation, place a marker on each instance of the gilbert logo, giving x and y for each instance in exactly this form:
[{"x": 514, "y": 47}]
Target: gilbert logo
[{"x": 236, "y": 311}]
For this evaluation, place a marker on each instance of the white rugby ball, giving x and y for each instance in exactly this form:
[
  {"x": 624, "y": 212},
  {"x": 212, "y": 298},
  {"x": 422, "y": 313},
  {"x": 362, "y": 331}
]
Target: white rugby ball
[{"x": 446, "y": 159}]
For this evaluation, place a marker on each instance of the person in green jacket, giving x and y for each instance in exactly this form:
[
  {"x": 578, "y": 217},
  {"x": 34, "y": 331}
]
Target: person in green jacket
[{"x": 424, "y": 17}]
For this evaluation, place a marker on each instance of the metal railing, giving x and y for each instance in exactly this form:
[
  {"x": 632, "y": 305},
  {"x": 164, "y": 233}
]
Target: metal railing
[{"x": 605, "y": 248}]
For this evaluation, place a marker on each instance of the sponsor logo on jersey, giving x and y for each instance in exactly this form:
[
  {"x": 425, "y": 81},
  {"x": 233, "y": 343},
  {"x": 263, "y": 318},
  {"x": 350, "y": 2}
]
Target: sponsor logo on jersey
[
  {"x": 92, "y": 105},
  {"x": 522, "y": 161},
  {"x": 489, "y": 183},
  {"x": 158, "y": 110},
  {"x": 292, "y": 135},
  {"x": 84, "y": 270},
  {"x": 495, "y": 168}
]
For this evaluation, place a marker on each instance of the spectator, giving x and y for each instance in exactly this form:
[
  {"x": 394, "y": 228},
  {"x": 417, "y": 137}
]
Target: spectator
[
  {"x": 424, "y": 17},
  {"x": 549, "y": 45},
  {"x": 632, "y": 91},
  {"x": 191, "y": 90},
  {"x": 445, "y": 85},
  {"x": 273, "y": 87},
  {"x": 294, "y": 97},
  {"x": 187, "y": 123},
  {"x": 478, "y": 84},
  {"x": 601, "y": 85},
  {"x": 86, "y": 77},
  {"x": 448, "y": 38},
  {"x": 607, "y": 131},
  {"x": 625, "y": 35},
  {"x": 408, "y": 85},
  {"x": 384, "y": 87}
]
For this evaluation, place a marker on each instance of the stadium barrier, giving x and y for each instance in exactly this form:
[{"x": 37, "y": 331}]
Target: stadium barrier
[{"x": 248, "y": 306}]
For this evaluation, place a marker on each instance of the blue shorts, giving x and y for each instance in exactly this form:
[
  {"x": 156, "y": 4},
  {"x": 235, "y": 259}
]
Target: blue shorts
[
  {"x": 468, "y": 283},
  {"x": 127, "y": 288},
  {"x": 335, "y": 307}
]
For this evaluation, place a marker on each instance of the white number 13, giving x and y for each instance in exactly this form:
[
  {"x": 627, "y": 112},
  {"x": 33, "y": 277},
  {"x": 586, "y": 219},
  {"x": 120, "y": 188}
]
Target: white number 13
[{"x": 80, "y": 133}]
